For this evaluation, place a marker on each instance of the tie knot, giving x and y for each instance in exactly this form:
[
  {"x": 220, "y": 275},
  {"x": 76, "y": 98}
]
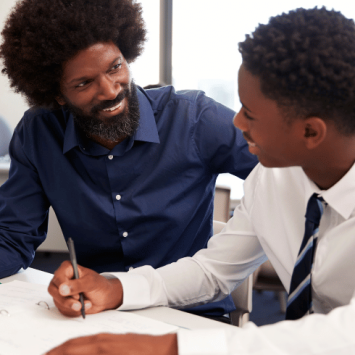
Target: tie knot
[{"x": 314, "y": 209}]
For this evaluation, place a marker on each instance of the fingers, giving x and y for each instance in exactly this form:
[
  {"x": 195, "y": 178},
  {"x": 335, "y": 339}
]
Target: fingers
[
  {"x": 99, "y": 293},
  {"x": 65, "y": 291},
  {"x": 72, "y": 308},
  {"x": 89, "y": 345}
]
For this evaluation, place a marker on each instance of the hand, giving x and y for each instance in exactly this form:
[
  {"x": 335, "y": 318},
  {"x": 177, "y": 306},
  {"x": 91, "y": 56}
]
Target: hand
[
  {"x": 119, "y": 344},
  {"x": 99, "y": 293}
]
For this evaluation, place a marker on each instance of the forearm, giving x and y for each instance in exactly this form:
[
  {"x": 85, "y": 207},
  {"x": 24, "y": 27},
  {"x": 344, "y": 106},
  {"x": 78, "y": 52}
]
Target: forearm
[{"x": 316, "y": 334}]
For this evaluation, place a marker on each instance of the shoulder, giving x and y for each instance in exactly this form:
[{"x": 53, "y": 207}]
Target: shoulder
[
  {"x": 160, "y": 97},
  {"x": 36, "y": 117},
  {"x": 39, "y": 122}
]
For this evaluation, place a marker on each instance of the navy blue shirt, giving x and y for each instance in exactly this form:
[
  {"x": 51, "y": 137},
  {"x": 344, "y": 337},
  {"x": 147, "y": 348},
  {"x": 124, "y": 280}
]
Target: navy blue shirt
[{"x": 148, "y": 201}]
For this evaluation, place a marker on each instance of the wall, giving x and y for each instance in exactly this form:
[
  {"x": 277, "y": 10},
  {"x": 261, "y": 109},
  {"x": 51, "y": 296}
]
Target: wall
[{"x": 12, "y": 105}]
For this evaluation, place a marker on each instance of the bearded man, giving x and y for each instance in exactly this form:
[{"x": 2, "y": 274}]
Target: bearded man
[{"x": 129, "y": 173}]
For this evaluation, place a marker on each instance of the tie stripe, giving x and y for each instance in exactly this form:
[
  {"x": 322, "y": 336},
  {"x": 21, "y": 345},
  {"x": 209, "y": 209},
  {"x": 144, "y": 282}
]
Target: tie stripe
[{"x": 300, "y": 296}]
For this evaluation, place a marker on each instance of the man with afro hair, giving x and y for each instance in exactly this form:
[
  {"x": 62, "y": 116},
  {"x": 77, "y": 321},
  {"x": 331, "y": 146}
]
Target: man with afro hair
[
  {"x": 129, "y": 173},
  {"x": 297, "y": 89}
]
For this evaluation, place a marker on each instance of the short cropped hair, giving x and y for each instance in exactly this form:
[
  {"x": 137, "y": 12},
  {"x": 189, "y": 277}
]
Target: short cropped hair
[
  {"x": 305, "y": 61},
  {"x": 41, "y": 35}
]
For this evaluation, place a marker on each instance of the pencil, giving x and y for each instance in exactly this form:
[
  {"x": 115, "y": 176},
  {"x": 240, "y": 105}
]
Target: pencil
[{"x": 76, "y": 273}]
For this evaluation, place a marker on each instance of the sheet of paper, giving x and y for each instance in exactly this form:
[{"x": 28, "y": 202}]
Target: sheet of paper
[
  {"x": 16, "y": 296},
  {"x": 33, "y": 330}
]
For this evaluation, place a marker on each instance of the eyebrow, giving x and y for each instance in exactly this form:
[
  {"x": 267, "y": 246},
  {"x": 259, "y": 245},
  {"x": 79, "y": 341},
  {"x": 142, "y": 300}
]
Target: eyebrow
[{"x": 83, "y": 78}]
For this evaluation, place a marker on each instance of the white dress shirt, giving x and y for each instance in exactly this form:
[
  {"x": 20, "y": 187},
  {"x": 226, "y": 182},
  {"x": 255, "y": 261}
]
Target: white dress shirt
[{"x": 270, "y": 220}]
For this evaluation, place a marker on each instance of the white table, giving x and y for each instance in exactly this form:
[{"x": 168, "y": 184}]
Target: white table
[{"x": 163, "y": 314}]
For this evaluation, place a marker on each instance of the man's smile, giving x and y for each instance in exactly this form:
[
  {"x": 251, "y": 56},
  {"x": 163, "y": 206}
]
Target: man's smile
[{"x": 113, "y": 108}]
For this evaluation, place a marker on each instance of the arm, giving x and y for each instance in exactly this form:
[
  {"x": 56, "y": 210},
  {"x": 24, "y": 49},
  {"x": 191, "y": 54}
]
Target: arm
[
  {"x": 316, "y": 334},
  {"x": 23, "y": 212},
  {"x": 210, "y": 275},
  {"x": 113, "y": 344}
]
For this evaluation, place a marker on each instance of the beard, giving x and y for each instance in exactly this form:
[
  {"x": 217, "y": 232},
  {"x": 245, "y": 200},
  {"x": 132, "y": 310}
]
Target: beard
[{"x": 114, "y": 128}]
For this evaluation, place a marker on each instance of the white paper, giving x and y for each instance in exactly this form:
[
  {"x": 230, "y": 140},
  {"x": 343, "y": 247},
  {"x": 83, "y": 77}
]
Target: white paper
[{"x": 32, "y": 330}]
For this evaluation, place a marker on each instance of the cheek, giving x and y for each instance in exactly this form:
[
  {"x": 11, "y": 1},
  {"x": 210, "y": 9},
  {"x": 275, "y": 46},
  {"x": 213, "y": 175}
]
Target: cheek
[{"x": 84, "y": 101}]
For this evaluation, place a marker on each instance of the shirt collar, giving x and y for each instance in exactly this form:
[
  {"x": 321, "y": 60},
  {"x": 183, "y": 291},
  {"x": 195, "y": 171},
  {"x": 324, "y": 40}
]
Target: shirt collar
[
  {"x": 147, "y": 130},
  {"x": 341, "y": 196}
]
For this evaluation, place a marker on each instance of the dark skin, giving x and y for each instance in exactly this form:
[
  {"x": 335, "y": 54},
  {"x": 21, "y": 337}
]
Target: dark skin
[
  {"x": 123, "y": 344},
  {"x": 312, "y": 143},
  {"x": 100, "y": 294},
  {"x": 94, "y": 75}
]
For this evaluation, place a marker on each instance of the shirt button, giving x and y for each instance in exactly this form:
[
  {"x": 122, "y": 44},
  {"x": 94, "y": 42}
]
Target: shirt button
[
  {"x": 110, "y": 157},
  {"x": 118, "y": 197},
  {"x": 125, "y": 234}
]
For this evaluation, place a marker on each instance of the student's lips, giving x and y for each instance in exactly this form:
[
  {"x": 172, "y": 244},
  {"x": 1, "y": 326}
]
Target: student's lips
[{"x": 248, "y": 140}]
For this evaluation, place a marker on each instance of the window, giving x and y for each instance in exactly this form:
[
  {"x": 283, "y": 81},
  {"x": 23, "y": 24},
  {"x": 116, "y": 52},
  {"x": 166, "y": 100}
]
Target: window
[
  {"x": 205, "y": 46},
  {"x": 145, "y": 69}
]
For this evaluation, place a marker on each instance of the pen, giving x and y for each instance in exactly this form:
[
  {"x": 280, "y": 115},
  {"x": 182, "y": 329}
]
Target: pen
[{"x": 76, "y": 273}]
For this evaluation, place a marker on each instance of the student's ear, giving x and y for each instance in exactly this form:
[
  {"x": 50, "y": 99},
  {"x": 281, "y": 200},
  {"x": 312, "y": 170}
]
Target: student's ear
[{"x": 315, "y": 131}]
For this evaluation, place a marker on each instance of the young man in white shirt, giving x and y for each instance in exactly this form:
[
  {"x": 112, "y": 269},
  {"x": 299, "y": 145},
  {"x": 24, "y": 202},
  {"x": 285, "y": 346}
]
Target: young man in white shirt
[{"x": 297, "y": 89}]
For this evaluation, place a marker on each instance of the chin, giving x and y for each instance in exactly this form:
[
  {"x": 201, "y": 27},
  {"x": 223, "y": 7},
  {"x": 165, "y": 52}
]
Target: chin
[{"x": 274, "y": 164}]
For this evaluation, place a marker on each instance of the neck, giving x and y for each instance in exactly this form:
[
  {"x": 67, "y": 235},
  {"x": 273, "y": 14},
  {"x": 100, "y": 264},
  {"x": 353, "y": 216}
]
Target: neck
[
  {"x": 331, "y": 162},
  {"x": 325, "y": 178}
]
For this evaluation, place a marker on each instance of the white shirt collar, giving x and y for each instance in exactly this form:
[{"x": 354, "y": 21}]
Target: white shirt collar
[{"x": 341, "y": 196}]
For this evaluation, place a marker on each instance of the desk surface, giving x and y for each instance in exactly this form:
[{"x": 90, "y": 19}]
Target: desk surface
[{"x": 163, "y": 314}]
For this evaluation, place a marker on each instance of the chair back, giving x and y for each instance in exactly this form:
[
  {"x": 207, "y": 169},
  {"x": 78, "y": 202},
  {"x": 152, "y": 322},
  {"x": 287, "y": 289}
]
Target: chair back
[{"x": 242, "y": 295}]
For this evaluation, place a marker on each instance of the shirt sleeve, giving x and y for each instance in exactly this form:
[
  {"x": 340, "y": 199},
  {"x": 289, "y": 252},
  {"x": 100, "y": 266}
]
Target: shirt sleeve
[
  {"x": 316, "y": 334},
  {"x": 23, "y": 211},
  {"x": 219, "y": 143}
]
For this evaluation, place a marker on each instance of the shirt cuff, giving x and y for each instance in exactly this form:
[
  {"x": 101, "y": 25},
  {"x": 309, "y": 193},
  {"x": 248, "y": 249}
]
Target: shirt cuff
[
  {"x": 136, "y": 291},
  {"x": 202, "y": 342}
]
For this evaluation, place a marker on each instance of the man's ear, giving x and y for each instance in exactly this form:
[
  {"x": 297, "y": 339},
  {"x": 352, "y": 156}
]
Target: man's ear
[
  {"x": 60, "y": 100},
  {"x": 315, "y": 131}
]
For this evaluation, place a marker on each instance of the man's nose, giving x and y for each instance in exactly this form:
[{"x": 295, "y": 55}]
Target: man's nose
[{"x": 108, "y": 89}]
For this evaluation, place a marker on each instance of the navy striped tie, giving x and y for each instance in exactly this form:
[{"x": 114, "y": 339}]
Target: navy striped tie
[{"x": 300, "y": 296}]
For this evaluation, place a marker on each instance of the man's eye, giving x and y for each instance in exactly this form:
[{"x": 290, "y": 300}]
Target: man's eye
[
  {"x": 82, "y": 84},
  {"x": 117, "y": 66}
]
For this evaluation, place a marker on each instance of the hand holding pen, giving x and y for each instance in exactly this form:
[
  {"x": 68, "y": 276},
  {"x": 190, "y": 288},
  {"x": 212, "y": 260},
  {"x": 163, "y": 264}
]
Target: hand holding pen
[{"x": 99, "y": 293}]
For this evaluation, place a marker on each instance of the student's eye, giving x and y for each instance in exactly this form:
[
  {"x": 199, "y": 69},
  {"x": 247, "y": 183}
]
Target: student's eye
[{"x": 247, "y": 116}]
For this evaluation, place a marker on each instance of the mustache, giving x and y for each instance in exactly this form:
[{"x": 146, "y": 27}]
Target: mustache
[{"x": 110, "y": 103}]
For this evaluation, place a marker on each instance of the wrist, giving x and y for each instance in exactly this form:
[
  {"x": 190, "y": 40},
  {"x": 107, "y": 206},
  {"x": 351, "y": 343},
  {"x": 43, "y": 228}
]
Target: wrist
[{"x": 115, "y": 294}]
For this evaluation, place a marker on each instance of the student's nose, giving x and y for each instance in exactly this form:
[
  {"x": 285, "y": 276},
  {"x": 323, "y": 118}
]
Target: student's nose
[
  {"x": 108, "y": 89},
  {"x": 240, "y": 121}
]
